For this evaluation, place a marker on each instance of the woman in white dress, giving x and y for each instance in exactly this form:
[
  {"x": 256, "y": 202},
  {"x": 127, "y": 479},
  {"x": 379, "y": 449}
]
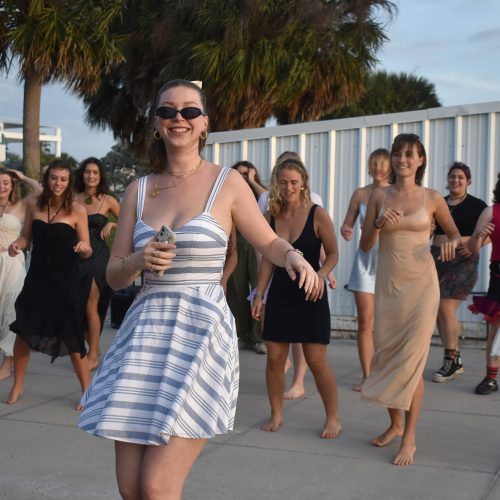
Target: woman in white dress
[
  {"x": 12, "y": 271},
  {"x": 170, "y": 378}
]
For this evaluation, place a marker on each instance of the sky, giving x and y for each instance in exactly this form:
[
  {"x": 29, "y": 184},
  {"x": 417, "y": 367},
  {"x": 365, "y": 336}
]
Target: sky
[{"x": 452, "y": 43}]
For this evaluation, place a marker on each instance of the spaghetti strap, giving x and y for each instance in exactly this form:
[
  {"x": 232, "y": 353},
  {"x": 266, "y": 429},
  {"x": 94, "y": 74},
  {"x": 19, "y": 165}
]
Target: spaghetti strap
[
  {"x": 102, "y": 201},
  {"x": 141, "y": 194},
  {"x": 217, "y": 185}
]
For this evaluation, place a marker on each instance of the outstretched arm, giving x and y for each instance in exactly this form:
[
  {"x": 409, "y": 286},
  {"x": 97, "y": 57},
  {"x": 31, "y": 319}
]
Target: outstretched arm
[{"x": 484, "y": 227}]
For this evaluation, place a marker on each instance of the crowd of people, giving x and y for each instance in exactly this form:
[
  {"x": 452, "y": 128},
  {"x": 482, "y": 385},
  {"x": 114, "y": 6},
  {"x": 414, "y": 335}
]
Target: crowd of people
[{"x": 242, "y": 266}]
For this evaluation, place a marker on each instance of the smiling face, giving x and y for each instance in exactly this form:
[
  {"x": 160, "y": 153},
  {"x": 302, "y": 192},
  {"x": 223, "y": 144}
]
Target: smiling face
[
  {"x": 179, "y": 131},
  {"x": 58, "y": 181},
  {"x": 290, "y": 184},
  {"x": 457, "y": 183},
  {"x": 406, "y": 161},
  {"x": 379, "y": 168},
  {"x": 91, "y": 175},
  {"x": 5, "y": 188}
]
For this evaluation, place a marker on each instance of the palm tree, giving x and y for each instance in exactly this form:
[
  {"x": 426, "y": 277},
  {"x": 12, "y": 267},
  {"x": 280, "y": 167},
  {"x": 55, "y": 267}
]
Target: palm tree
[
  {"x": 55, "y": 41},
  {"x": 390, "y": 93},
  {"x": 295, "y": 59}
]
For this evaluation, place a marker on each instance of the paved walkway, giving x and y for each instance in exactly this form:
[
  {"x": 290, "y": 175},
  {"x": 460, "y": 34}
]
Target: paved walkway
[{"x": 44, "y": 456}]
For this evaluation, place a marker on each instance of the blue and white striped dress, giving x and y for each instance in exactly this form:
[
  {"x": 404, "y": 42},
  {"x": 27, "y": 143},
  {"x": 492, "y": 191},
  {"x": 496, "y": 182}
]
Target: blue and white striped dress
[{"x": 172, "y": 369}]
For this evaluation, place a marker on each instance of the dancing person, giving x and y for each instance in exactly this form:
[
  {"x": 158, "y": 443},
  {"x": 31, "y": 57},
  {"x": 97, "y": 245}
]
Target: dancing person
[
  {"x": 49, "y": 315},
  {"x": 290, "y": 315},
  {"x": 488, "y": 226},
  {"x": 458, "y": 276},
  {"x": 297, "y": 388},
  {"x": 93, "y": 194},
  {"x": 244, "y": 277},
  {"x": 364, "y": 269},
  {"x": 12, "y": 271},
  {"x": 169, "y": 380},
  {"x": 406, "y": 289}
]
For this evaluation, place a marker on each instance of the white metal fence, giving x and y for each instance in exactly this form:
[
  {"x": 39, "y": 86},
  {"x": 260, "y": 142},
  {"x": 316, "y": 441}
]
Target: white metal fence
[{"x": 335, "y": 153}]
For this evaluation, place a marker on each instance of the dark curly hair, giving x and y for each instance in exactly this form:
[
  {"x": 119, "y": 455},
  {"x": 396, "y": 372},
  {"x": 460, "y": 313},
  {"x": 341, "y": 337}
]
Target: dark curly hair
[
  {"x": 402, "y": 140},
  {"x": 47, "y": 196},
  {"x": 102, "y": 188},
  {"x": 156, "y": 150}
]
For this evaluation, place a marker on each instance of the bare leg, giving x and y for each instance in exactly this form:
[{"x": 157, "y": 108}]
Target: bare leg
[
  {"x": 166, "y": 468},
  {"x": 408, "y": 446},
  {"x": 365, "y": 305},
  {"x": 21, "y": 360},
  {"x": 129, "y": 459},
  {"x": 394, "y": 430},
  {"x": 296, "y": 390},
  {"x": 492, "y": 360},
  {"x": 81, "y": 367},
  {"x": 275, "y": 378},
  {"x": 316, "y": 357},
  {"x": 6, "y": 368},
  {"x": 448, "y": 324},
  {"x": 94, "y": 325}
]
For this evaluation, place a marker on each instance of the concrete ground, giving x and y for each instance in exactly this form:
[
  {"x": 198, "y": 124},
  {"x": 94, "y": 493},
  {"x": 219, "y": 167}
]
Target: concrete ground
[{"x": 44, "y": 456}]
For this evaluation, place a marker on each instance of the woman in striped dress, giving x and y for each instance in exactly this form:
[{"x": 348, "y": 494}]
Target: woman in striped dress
[{"x": 170, "y": 376}]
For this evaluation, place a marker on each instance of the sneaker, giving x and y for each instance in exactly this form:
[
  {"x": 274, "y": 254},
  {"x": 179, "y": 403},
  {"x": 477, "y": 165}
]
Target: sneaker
[
  {"x": 260, "y": 348},
  {"x": 450, "y": 369},
  {"x": 486, "y": 386}
]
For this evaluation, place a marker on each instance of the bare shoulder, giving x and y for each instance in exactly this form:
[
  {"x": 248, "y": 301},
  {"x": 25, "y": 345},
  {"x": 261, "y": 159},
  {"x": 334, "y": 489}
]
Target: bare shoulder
[
  {"x": 321, "y": 214},
  {"x": 433, "y": 195},
  {"x": 79, "y": 210}
]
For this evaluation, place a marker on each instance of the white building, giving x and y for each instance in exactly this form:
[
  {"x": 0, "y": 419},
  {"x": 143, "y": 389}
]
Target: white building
[
  {"x": 11, "y": 133},
  {"x": 335, "y": 154}
]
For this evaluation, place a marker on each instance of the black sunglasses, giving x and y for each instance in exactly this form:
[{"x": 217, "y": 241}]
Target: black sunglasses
[{"x": 189, "y": 113}]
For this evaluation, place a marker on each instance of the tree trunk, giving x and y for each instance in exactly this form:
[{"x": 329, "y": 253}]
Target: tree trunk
[{"x": 31, "y": 124}]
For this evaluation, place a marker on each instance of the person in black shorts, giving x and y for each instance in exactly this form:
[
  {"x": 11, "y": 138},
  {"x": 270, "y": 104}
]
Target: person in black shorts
[{"x": 458, "y": 276}]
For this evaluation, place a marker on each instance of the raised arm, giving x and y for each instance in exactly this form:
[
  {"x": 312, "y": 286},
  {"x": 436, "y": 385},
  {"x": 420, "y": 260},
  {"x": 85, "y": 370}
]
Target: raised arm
[
  {"x": 351, "y": 215},
  {"x": 254, "y": 227},
  {"x": 24, "y": 239},
  {"x": 445, "y": 220},
  {"x": 484, "y": 227}
]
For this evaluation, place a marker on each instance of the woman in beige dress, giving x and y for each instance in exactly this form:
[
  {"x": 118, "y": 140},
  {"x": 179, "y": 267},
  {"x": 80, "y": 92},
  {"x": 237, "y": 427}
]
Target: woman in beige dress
[{"x": 406, "y": 289}]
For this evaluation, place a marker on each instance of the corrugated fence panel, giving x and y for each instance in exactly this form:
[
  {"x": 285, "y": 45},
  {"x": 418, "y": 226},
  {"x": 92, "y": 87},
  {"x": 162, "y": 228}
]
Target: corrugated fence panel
[{"x": 336, "y": 152}]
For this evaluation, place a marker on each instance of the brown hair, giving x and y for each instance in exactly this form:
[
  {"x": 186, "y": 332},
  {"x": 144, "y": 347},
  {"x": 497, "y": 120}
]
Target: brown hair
[
  {"x": 410, "y": 140},
  {"x": 156, "y": 150},
  {"x": 14, "y": 195},
  {"x": 292, "y": 161},
  {"x": 44, "y": 200}
]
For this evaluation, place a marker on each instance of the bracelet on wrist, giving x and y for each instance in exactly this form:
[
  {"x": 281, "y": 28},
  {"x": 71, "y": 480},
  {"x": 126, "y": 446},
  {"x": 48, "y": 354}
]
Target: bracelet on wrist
[
  {"x": 257, "y": 296},
  {"x": 377, "y": 227},
  {"x": 296, "y": 250},
  {"x": 125, "y": 262}
]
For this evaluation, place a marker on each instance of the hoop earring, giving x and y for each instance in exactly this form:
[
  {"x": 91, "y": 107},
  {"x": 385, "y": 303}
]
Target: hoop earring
[
  {"x": 204, "y": 135},
  {"x": 156, "y": 134}
]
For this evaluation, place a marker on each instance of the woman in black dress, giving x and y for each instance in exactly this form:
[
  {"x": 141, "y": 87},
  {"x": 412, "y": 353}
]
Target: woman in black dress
[
  {"x": 93, "y": 193},
  {"x": 49, "y": 315},
  {"x": 292, "y": 316}
]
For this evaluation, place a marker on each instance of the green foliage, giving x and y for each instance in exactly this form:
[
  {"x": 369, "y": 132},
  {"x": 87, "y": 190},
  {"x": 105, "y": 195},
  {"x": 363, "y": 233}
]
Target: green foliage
[
  {"x": 390, "y": 93},
  {"x": 294, "y": 59}
]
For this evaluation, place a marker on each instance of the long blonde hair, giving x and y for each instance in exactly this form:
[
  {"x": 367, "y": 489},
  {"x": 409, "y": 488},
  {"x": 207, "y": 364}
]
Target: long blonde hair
[{"x": 291, "y": 161}]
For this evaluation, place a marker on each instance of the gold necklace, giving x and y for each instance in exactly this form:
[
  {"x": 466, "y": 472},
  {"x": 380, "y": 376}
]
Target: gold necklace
[
  {"x": 88, "y": 199},
  {"x": 180, "y": 179}
]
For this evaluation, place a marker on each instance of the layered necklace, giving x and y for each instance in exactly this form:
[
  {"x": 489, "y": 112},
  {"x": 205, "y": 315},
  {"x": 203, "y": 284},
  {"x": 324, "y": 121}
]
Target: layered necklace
[{"x": 179, "y": 180}]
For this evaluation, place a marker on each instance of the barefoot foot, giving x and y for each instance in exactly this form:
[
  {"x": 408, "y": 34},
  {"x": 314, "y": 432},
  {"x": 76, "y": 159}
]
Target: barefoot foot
[
  {"x": 358, "y": 387},
  {"x": 13, "y": 396},
  {"x": 405, "y": 455},
  {"x": 332, "y": 429},
  {"x": 6, "y": 368},
  {"x": 93, "y": 363},
  {"x": 295, "y": 392},
  {"x": 388, "y": 436},
  {"x": 273, "y": 425}
]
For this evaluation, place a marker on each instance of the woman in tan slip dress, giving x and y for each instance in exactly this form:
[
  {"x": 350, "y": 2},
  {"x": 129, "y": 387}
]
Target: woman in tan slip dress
[{"x": 406, "y": 289}]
